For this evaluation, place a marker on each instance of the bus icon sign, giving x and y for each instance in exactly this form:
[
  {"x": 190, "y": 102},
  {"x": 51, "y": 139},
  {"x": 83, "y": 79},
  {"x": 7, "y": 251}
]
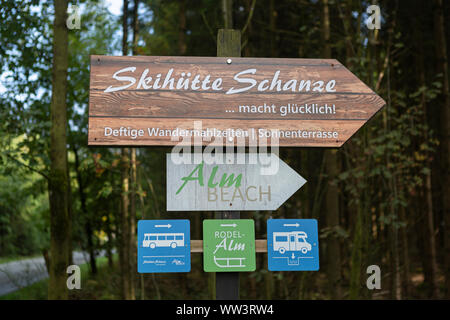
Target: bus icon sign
[
  {"x": 292, "y": 245},
  {"x": 164, "y": 246}
]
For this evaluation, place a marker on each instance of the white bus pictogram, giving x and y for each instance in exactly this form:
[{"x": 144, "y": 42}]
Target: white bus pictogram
[{"x": 154, "y": 240}]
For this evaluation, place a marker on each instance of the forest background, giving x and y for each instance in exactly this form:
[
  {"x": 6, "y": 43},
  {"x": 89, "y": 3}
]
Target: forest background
[{"x": 382, "y": 199}]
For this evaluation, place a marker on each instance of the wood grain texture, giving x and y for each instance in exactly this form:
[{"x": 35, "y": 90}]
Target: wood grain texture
[
  {"x": 163, "y": 104},
  {"x": 344, "y": 129},
  {"x": 304, "y": 69},
  {"x": 347, "y": 109}
]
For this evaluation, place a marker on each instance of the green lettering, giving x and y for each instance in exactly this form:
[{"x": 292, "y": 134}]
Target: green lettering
[
  {"x": 190, "y": 177},
  {"x": 211, "y": 183},
  {"x": 230, "y": 180}
]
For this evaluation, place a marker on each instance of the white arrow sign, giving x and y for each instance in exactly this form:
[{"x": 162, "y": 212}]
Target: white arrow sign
[
  {"x": 291, "y": 225},
  {"x": 237, "y": 185},
  {"x": 163, "y": 226},
  {"x": 228, "y": 225}
]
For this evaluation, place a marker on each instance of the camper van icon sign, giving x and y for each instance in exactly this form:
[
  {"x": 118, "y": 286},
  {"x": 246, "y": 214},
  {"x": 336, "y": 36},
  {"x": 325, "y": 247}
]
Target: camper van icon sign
[
  {"x": 292, "y": 245},
  {"x": 164, "y": 246}
]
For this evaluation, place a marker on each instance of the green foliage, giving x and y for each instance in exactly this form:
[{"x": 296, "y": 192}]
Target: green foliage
[
  {"x": 383, "y": 169},
  {"x": 22, "y": 222}
]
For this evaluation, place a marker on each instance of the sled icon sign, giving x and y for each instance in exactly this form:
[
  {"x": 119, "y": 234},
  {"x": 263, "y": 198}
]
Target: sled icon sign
[
  {"x": 292, "y": 245},
  {"x": 229, "y": 245},
  {"x": 164, "y": 246}
]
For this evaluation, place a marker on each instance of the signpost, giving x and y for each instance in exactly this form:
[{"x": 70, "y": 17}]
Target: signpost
[
  {"x": 164, "y": 101},
  {"x": 227, "y": 283},
  {"x": 229, "y": 245},
  {"x": 292, "y": 245},
  {"x": 164, "y": 246},
  {"x": 230, "y": 186}
]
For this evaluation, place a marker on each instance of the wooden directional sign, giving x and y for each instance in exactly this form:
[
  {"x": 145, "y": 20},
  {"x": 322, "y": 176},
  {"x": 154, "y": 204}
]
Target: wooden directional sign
[
  {"x": 149, "y": 100},
  {"x": 230, "y": 186}
]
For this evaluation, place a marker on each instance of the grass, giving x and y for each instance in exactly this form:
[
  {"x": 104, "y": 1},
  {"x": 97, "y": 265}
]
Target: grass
[
  {"x": 39, "y": 290},
  {"x": 106, "y": 285}
]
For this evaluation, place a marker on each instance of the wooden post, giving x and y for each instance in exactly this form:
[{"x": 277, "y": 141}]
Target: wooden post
[{"x": 227, "y": 283}]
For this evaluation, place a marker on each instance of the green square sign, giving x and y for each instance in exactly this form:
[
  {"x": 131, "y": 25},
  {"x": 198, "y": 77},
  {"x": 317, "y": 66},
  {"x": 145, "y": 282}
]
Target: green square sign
[{"x": 229, "y": 245}]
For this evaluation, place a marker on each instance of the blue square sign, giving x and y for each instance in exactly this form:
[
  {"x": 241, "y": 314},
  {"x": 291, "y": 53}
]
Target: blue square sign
[
  {"x": 292, "y": 245},
  {"x": 164, "y": 246}
]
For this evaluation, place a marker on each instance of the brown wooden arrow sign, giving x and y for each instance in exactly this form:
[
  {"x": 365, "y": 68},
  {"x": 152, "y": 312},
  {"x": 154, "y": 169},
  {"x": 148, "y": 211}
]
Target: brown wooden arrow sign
[{"x": 149, "y": 101}]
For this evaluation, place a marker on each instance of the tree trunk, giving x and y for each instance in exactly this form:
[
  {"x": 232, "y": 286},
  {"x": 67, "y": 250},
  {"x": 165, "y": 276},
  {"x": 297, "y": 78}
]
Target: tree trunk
[
  {"x": 356, "y": 258},
  {"x": 125, "y": 228},
  {"x": 442, "y": 66},
  {"x": 132, "y": 221},
  {"x": 58, "y": 179},
  {"x": 332, "y": 199},
  {"x": 135, "y": 27},
  {"x": 396, "y": 292},
  {"x": 431, "y": 236},
  {"x": 144, "y": 217},
  {"x": 428, "y": 195},
  {"x": 272, "y": 24},
  {"x": 182, "y": 48},
  {"x": 87, "y": 220},
  {"x": 109, "y": 244},
  {"x": 227, "y": 11},
  {"x": 70, "y": 217},
  {"x": 406, "y": 274},
  {"x": 127, "y": 270}
]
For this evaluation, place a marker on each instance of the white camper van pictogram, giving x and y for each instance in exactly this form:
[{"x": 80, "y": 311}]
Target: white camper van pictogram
[{"x": 291, "y": 241}]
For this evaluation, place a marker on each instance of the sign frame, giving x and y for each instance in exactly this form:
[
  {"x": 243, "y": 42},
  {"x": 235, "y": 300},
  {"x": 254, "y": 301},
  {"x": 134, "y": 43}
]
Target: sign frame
[
  {"x": 230, "y": 186},
  {"x": 292, "y": 245},
  {"x": 151, "y": 247},
  {"x": 239, "y": 251}
]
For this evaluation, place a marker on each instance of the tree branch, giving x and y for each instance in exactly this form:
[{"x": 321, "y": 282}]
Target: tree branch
[
  {"x": 208, "y": 26},
  {"x": 28, "y": 167},
  {"x": 249, "y": 18}
]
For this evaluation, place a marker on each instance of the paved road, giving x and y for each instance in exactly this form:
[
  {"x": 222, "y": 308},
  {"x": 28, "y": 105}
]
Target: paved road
[{"x": 19, "y": 274}]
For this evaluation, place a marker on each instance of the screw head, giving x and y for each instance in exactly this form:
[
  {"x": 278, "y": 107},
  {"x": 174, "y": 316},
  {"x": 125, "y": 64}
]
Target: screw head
[{"x": 229, "y": 61}]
